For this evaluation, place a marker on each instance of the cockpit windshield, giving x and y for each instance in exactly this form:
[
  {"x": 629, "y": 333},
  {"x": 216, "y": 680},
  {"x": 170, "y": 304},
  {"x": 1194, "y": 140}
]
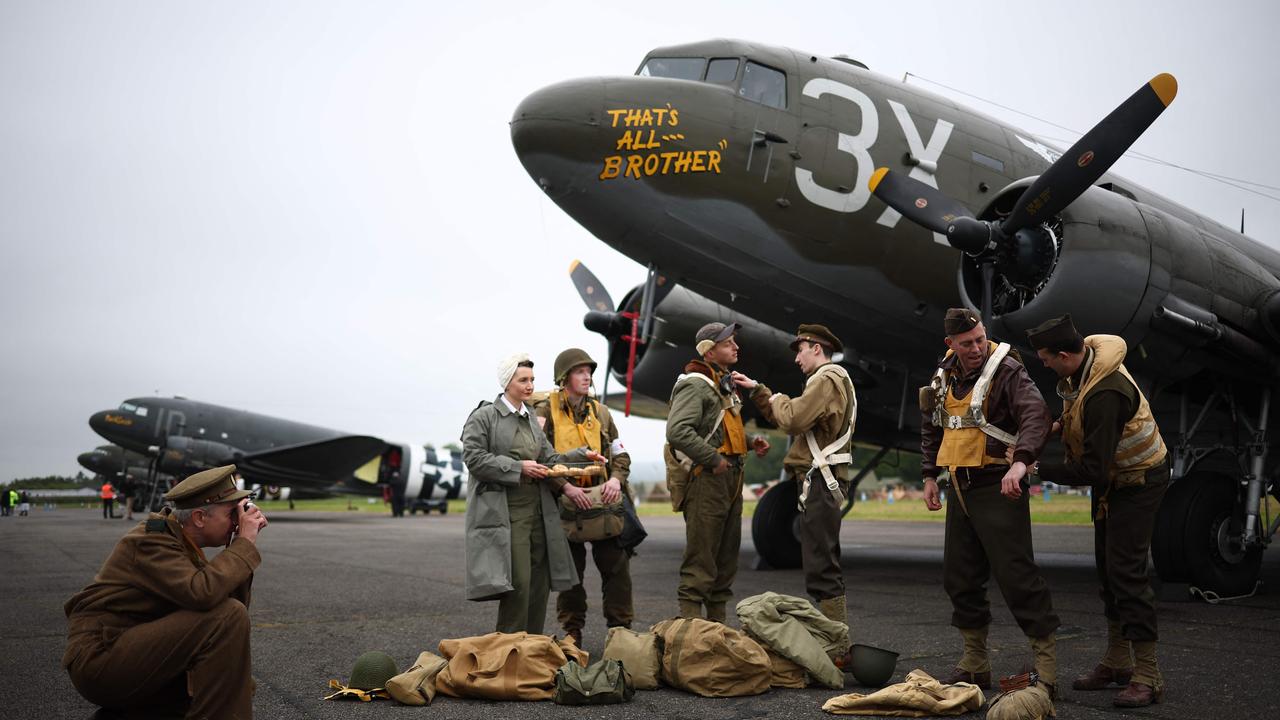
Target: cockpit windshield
[
  {"x": 676, "y": 68},
  {"x": 759, "y": 83},
  {"x": 135, "y": 409}
]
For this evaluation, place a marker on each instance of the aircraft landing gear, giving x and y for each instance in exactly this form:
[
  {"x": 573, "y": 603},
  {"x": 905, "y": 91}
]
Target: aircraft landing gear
[
  {"x": 1199, "y": 536},
  {"x": 1208, "y": 532}
]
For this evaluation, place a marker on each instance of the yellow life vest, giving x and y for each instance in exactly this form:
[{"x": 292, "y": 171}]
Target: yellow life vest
[
  {"x": 569, "y": 433},
  {"x": 1141, "y": 448},
  {"x": 963, "y": 422},
  {"x": 735, "y": 434}
]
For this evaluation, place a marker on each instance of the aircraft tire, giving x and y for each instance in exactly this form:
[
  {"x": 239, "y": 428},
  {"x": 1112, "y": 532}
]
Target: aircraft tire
[
  {"x": 774, "y": 526},
  {"x": 1167, "y": 547},
  {"x": 1212, "y": 534}
]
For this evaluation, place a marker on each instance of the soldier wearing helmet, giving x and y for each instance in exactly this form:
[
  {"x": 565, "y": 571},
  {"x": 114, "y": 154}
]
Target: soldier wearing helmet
[{"x": 572, "y": 418}]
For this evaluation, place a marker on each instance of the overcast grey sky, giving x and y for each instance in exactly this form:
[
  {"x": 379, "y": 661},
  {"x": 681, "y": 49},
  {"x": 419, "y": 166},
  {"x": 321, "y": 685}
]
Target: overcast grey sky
[{"x": 312, "y": 209}]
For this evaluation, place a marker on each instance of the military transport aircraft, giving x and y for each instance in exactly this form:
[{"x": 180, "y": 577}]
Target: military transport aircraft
[
  {"x": 130, "y": 470},
  {"x": 177, "y": 436},
  {"x": 746, "y": 177}
]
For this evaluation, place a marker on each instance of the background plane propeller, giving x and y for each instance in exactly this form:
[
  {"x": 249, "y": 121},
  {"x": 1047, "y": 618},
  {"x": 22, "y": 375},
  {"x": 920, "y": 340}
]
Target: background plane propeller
[
  {"x": 1014, "y": 239},
  {"x": 633, "y": 325}
]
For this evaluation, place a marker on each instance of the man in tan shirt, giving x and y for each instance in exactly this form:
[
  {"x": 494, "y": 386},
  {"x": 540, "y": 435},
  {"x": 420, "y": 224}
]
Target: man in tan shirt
[
  {"x": 820, "y": 423},
  {"x": 161, "y": 628}
]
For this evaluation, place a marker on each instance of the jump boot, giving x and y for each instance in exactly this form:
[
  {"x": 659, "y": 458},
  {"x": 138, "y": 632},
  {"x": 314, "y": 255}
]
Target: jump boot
[
  {"x": 1116, "y": 667},
  {"x": 1046, "y": 652},
  {"x": 975, "y": 665},
  {"x": 835, "y": 609},
  {"x": 1147, "y": 686}
]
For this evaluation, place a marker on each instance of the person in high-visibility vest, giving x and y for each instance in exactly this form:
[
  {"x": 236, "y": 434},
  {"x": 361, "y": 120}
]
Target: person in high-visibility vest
[{"x": 108, "y": 495}]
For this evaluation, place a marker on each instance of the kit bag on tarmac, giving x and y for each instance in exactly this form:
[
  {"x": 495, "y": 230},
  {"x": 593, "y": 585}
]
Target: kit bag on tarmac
[
  {"x": 640, "y": 653},
  {"x": 710, "y": 659},
  {"x": 504, "y": 666},
  {"x": 601, "y": 522},
  {"x": 604, "y": 683}
]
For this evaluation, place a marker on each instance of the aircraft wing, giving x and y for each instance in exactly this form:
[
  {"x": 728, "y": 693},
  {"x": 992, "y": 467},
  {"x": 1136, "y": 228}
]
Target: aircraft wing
[{"x": 315, "y": 465}]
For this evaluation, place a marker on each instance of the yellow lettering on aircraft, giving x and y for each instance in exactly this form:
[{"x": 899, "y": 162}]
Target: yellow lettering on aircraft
[
  {"x": 643, "y": 145},
  {"x": 119, "y": 420}
]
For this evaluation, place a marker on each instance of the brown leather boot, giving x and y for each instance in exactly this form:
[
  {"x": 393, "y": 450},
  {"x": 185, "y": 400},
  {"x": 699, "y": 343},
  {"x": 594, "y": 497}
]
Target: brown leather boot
[
  {"x": 1138, "y": 695},
  {"x": 1102, "y": 677},
  {"x": 981, "y": 679}
]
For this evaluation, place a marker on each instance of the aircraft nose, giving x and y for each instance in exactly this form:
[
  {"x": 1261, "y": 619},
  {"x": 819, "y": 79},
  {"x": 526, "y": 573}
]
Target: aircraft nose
[
  {"x": 88, "y": 461},
  {"x": 558, "y": 127},
  {"x": 98, "y": 421}
]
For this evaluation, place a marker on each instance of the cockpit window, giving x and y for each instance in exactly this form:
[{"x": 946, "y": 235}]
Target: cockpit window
[
  {"x": 142, "y": 412},
  {"x": 764, "y": 85},
  {"x": 128, "y": 407},
  {"x": 678, "y": 68},
  {"x": 722, "y": 71}
]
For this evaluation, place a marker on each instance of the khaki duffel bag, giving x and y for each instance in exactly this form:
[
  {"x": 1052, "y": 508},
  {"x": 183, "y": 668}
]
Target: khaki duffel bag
[
  {"x": 639, "y": 654},
  {"x": 417, "y": 685},
  {"x": 503, "y": 666},
  {"x": 601, "y": 522},
  {"x": 786, "y": 673},
  {"x": 711, "y": 659}
]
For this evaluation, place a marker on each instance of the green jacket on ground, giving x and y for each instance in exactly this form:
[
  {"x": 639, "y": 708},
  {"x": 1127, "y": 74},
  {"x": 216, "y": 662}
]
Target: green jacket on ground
[{"x": 793, "y": 628}]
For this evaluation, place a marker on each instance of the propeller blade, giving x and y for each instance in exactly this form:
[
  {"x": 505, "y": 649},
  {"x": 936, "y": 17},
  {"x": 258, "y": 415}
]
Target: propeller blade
[
  {"x": 924, "y": 205},
  {"x": 589, "y": 288},
  {"x": 988, "y": 277},
  {"x": 1092, "y": 155}
]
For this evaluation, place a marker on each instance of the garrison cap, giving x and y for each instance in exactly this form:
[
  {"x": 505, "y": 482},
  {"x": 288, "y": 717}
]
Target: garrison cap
[
  {"x": 818, "y": 334},
  {"x": 206, "y": 487},
  {"x": 1056, "y": 332},
  {"x": 960, "y": 320},
  {"x": 712, "y": 333}
]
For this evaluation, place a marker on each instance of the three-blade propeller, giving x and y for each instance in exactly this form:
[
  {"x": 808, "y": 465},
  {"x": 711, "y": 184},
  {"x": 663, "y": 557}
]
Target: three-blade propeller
[
  {"x": 633, "y": 325},
  {"x": 1064, "y": 181}
]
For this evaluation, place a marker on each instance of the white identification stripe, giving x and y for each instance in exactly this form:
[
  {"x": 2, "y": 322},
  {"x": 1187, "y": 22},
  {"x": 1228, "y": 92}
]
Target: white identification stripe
[
  {"x": 1140, "y": 457},
  {"x": 1146, "y": 431}
]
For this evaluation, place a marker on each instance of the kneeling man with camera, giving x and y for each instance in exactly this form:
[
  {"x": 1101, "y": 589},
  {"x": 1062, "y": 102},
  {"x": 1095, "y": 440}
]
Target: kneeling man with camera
[{"x": 162, "y": 629}]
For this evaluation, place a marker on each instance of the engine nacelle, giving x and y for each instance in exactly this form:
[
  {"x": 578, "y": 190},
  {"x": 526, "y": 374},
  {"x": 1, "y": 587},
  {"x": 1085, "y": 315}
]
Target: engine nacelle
[
  {"x": 184, "y": 455},
  {"x": 1127, "y": 268},
  {"x": 766, "y": 354}
]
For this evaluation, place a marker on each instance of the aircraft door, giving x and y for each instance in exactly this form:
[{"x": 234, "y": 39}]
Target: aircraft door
[{"x": 764, "y": 124}]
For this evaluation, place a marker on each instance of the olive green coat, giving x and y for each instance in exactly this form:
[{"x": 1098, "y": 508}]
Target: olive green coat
[
  {"x": 486, "y": 438},
  {"x": 695, "y": 406}
]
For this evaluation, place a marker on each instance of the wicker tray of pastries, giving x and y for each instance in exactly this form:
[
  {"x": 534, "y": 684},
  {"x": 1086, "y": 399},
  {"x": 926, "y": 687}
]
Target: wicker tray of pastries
[{"x": 560, "y": 470}]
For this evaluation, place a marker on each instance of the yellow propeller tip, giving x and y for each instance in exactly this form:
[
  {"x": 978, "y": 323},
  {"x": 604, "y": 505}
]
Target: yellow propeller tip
[
  {"x": 574, "y": 266},
  {"x": 876, "y": 177},
  {"x": 1166, "y": 87}
]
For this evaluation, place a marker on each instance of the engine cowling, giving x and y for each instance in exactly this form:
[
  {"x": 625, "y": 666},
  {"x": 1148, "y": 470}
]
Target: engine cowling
[
  {"x": 184, "y": 455},
  {"x": 1126, "y": 268},
  {"x": 765, "y": 357}
]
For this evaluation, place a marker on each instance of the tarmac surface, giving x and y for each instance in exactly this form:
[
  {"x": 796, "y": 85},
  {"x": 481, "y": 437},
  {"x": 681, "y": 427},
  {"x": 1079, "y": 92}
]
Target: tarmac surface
[{"x": 333, "y": 585}]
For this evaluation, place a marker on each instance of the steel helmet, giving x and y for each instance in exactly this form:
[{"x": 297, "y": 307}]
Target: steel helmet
[{"x": 570, "y": 359}]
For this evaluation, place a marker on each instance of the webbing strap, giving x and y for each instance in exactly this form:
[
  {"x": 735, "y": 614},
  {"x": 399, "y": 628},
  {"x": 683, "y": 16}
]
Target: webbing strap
[{"x": 824, "y": 458}]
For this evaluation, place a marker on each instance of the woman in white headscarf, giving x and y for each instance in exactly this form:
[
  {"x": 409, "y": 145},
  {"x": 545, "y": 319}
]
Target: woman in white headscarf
[{"x": 516, "y": 548}]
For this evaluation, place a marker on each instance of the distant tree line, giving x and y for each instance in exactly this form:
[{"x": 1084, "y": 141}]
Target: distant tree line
[{"x": 53, "y": 482}]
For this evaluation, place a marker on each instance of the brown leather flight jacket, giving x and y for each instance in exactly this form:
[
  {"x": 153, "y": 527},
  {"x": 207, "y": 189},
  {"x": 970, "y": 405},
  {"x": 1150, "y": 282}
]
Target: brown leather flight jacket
[{"x": 1014, "y": 404}]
